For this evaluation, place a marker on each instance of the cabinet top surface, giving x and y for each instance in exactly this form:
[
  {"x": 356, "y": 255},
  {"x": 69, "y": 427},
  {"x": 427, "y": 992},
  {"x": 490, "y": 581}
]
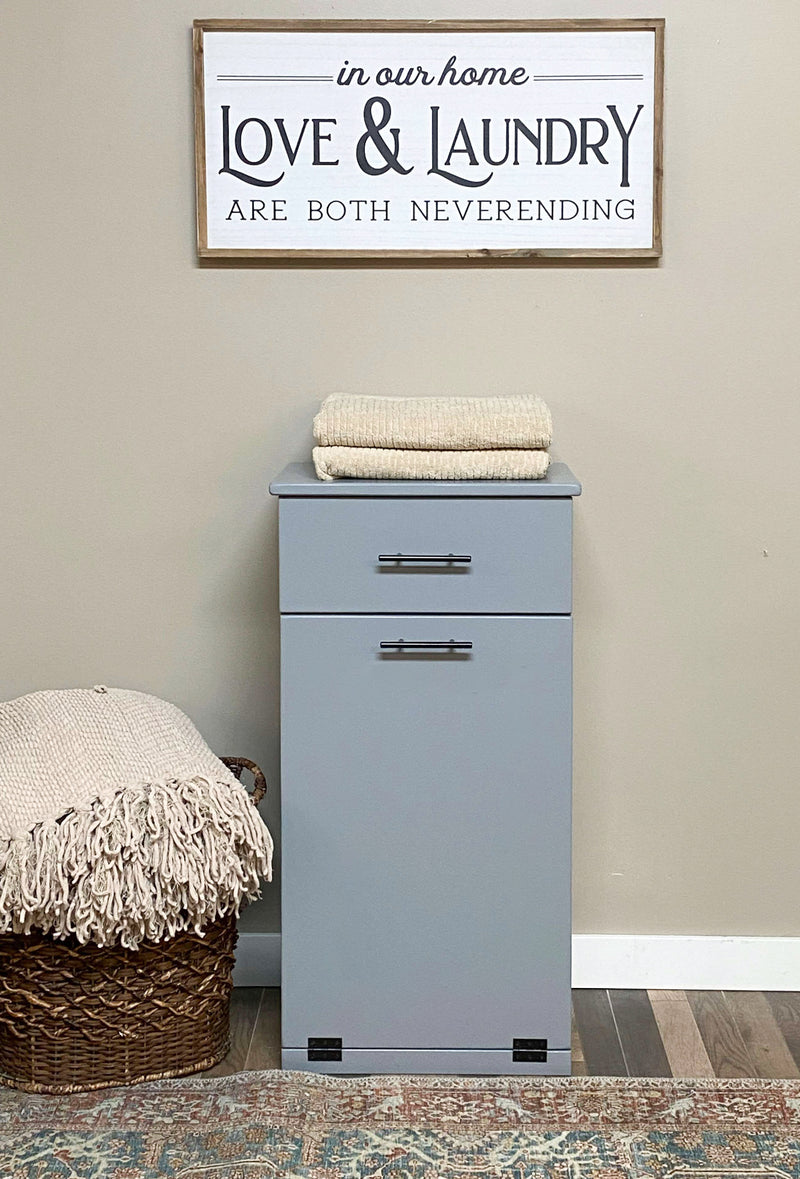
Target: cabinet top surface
[{"x": 301, "y": 479}]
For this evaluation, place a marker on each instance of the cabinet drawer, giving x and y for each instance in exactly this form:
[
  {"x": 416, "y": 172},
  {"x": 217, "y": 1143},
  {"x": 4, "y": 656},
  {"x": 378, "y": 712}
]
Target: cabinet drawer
[{"x": 338, "y": 556}]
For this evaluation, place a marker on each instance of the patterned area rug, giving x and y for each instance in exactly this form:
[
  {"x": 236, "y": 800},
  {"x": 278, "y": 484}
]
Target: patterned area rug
[{"x": 273, "y": 1125}]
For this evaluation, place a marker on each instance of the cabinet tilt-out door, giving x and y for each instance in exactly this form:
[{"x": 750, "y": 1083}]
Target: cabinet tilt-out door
[{"x": 426, "y": 830}]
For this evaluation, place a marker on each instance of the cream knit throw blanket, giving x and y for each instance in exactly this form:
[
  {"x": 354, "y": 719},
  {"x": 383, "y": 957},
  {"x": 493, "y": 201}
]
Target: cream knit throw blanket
[
  {"x": 520, "y": 421},
  {"x": 117, "y": 822},
  {"x": 363, "y": 462}
]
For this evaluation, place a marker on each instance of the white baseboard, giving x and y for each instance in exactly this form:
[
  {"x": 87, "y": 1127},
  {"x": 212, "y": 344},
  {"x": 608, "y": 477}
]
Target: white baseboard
[
  {"x": 616, "y": 961},
  {"x": 643, "y": 962},
  {"x": 258, "y": 960}
]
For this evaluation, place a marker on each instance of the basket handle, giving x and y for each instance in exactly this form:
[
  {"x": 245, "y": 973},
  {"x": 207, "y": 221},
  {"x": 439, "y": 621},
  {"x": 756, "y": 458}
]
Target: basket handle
[{"x": 237, "y": 764}]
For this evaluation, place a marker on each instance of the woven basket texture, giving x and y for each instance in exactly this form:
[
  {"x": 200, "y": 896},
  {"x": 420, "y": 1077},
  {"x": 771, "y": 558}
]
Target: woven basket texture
[{"x": 78, "y": 1017}]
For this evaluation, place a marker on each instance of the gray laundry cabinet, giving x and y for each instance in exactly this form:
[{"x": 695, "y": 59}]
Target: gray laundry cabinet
[{"x": 426, "y": 737}]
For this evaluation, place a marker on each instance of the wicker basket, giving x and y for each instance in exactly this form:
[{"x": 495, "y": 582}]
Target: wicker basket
[{"x": 77, "y": 1017}]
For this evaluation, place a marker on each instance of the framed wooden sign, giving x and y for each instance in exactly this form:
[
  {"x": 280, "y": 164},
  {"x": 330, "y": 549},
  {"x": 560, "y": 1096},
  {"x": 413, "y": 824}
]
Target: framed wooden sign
[{"x": 506, "y": 140}]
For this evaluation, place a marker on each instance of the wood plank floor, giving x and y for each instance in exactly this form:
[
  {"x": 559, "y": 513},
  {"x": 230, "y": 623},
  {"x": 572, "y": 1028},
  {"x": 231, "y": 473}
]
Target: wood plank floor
[{"x": 614, "y": 1033}]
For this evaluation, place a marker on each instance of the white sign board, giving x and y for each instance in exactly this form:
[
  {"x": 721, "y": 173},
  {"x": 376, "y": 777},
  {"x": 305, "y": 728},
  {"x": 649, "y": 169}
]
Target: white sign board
[{"x": 506, "y": 140}]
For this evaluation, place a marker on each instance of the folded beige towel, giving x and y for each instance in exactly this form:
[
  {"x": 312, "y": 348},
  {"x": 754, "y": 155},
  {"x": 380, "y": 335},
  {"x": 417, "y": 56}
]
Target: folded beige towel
[
  {"x": 366, "y": 462},
  {"x": 434, "y": 423}
]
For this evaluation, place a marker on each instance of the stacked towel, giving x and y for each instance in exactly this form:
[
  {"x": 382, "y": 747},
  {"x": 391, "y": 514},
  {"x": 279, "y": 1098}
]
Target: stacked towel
[{"x": 365, "y": 437}]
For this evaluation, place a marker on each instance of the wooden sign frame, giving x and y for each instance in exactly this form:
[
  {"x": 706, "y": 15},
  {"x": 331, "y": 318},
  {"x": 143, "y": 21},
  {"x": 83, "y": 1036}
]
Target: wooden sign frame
[{"x": 234, "y": 237}]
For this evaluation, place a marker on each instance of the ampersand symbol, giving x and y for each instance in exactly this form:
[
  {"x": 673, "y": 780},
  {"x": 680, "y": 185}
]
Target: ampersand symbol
[{"x": 373, "y": 135}]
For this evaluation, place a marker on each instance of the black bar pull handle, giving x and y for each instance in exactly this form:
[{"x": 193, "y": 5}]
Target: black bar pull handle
[
  {"x": 451, "y": 557},
  {"x": 402, "y": 645}
]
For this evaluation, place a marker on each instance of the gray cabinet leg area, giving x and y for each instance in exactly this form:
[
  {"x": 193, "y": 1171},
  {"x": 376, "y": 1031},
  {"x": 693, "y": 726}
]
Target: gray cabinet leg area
[{"x": 413, "y": 1061}]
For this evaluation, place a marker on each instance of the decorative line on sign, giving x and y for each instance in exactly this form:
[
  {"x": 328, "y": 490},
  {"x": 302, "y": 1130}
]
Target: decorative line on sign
[
  {"x": 588, "y": 77},
  {"x": 274, "y": 77}
]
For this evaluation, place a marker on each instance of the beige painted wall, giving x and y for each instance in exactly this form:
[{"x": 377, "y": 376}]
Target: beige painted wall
[{"x": 146, "y": 404}]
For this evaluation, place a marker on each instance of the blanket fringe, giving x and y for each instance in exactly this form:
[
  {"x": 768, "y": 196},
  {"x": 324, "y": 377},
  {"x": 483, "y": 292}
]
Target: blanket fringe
[{"x": 147, "y": 862}]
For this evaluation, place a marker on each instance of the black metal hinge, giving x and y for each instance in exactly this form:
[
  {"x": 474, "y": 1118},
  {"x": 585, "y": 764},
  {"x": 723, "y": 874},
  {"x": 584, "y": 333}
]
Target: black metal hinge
[
  {"x": 529, "y": 1050},
  {"x": 324, "y": 1048}
]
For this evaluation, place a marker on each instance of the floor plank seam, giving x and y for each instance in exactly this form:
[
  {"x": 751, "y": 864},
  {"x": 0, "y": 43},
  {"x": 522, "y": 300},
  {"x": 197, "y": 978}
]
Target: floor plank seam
[
  {"x": 254, "y": 1028},
  {"x": 619, "y": 1037}
]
